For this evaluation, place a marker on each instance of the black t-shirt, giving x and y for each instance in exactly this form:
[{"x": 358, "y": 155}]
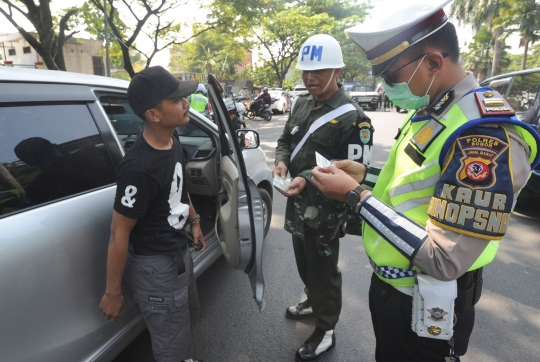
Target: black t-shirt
[{"x": 152, "y": 188}]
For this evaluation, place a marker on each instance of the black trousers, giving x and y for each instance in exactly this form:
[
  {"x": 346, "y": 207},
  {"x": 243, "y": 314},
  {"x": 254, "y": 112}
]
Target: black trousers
[
  {"x": 387, "y": 102},
  {"x": 391, "y": 314},
  {"x": 321, "y": 277}
]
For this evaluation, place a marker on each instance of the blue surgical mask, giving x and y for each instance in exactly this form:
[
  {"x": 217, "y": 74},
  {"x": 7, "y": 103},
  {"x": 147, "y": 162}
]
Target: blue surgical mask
[{"x": 400, "y": 94}]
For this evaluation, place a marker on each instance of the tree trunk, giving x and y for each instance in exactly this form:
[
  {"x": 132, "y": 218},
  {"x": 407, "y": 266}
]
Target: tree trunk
[
  {"x": 497, "y": 53},
  {"x": 524, "y": 59},
  {"x": 127, "y": 60},
  {"x": 48, "y": 60}
]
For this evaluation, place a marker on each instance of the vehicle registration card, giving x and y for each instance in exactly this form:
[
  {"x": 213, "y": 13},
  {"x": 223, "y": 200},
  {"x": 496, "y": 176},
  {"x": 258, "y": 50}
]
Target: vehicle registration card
[
  {"x": 321, "y": 161},
  {"x": 281, "y": 183}
]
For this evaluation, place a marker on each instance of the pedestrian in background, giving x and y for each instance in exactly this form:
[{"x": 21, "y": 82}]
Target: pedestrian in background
[
  {"x": 330, "y": 123},
  {"x": 443, "y": 200},
  {"x": 380, "y": 91}
]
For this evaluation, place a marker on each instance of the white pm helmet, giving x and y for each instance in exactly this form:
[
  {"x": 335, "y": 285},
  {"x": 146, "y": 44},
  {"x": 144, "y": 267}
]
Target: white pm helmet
[{"x": 321, "y": 51}]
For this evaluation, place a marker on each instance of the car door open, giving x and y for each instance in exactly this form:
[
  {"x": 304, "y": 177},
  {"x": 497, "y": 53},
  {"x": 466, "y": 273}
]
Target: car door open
[{"x": 240, "y": 223}]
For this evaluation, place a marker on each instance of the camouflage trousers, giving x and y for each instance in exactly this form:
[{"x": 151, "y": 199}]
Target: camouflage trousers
[{"x": 321, "y": 277}]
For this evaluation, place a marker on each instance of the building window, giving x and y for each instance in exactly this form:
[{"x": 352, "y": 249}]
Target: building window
[
  {"x": 12, "y": 51},
  {"x": 98, "y": 65},
  {"x": 26, "y": 50}
]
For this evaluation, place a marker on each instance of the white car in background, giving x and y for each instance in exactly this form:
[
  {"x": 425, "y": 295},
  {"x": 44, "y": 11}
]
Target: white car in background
[{"x": 280, "y": 101}]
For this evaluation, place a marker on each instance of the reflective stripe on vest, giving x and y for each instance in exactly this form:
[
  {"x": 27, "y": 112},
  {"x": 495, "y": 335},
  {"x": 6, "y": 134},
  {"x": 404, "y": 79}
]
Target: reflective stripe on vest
[
  {"x": 408, "y": 188},
  {"x": 198, "y": 102}
]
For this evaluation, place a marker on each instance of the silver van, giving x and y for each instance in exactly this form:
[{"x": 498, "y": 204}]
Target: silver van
[{"x": 62, "y": 137}]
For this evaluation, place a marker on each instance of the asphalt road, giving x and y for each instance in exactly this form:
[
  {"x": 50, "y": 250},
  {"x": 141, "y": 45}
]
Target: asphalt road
[{"x": 232, "y": 330}]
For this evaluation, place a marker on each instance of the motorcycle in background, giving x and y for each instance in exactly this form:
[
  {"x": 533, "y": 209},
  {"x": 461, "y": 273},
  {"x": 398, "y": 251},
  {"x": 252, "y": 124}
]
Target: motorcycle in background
[
  {"x": 259, "y": 109},
  {"x": 240, "y": 111},
  {"x": 237, "y": 119}
]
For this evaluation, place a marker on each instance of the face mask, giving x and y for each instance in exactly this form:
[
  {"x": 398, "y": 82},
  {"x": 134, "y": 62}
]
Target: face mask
[{"x": 400, "y": 94}]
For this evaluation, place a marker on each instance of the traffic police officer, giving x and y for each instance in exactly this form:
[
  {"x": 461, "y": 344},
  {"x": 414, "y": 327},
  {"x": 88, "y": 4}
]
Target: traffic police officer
[
  {"x": 330, "y": 123},
  {"x": 198, "y": 100},
  {"x": 443, "y": 200}
]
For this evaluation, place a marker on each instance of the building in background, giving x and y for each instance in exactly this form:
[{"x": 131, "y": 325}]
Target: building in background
[{"x": 80, "y": 55}]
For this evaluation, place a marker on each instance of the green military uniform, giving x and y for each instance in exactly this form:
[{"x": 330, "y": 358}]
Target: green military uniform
[{"x": 312, "y": 219}]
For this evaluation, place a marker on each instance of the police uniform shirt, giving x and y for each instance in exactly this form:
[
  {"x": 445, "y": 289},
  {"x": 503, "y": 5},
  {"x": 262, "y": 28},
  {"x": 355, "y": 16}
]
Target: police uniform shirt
[{"x": 448, "y": 254}]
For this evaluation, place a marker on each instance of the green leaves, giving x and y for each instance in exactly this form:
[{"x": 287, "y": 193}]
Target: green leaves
[{"x": 276, "y": 30}]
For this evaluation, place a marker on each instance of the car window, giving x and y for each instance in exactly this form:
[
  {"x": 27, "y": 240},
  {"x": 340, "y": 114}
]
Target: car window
[
  {"x": 126, "y": 123},
  {"x": 523, "y": 91},
  {"x": 196, "y": 140},
  {"x": 128, "y": 126},
  {"x": 49, "y": 152},
  {"x": 500, "y": 85},
  {"x": 362, "y": 88}
]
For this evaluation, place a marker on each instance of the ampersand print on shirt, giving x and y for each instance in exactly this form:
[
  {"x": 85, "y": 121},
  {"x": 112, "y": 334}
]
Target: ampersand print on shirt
[{"x": 129, "y": 200}]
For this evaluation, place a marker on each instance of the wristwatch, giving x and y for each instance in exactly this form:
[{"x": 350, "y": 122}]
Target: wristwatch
[
  {"x": 353, "y": 197},
  {"x": 194, "y": 220}
]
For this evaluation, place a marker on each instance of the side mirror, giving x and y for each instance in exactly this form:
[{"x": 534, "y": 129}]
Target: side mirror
[{"x": 248, "y": 139}]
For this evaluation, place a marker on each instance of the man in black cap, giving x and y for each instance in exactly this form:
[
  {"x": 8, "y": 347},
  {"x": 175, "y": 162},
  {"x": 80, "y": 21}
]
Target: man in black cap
[{"x": 151, "y": 210}]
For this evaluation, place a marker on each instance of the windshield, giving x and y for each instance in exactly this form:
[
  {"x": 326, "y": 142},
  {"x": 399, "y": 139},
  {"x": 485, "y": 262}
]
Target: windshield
[
  {"x": 362, "y": 88},
  {"x": 275, "y": 94}
]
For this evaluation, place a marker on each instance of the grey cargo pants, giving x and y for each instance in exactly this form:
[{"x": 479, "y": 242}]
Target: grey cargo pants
[{"x": 168, "y": 302}]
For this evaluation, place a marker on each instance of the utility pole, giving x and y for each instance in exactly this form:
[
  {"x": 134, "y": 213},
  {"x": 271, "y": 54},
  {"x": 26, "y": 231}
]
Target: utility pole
[{"x": 107, "y": 55}]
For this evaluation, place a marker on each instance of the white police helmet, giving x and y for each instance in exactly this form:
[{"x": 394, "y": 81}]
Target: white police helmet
[
  {"x": 201, "y": 88},
  {"x": 321, "y": 51}
]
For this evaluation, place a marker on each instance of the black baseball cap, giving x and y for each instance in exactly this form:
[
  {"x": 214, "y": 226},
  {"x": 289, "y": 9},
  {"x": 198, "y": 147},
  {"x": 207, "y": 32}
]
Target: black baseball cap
[{"x": 152, "y": 85}]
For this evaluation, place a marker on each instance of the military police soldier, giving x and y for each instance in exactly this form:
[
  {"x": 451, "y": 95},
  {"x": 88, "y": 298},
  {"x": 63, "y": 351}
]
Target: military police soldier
[
  {"x": 328, "y": 122},
  {"x": 442, "y": 202}
]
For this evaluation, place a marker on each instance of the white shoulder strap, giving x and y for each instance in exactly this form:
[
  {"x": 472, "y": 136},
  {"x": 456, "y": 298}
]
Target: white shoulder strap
[{"x": 321, "y": 121}]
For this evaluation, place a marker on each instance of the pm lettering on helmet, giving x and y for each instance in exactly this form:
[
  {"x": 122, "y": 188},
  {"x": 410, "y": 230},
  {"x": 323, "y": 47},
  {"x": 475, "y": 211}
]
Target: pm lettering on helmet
[{"x": 315, "y": 52}]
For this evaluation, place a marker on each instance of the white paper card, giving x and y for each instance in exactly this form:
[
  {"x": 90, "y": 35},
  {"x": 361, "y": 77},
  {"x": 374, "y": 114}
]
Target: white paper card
[
  {"x": 281, "y": 183},
  {"x": 321, "y": 161}
]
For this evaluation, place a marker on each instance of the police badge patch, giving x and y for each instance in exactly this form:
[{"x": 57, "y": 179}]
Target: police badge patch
[
  {"x": 427, "y": 134},
  {"x": 478, "y": 163},
  {"x": 365, "y": 132},
  {"x": 437, "y": 314}
]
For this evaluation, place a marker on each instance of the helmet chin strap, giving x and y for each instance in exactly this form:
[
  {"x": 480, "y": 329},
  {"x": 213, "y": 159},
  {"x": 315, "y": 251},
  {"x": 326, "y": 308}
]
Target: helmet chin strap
[{"x": 329, "y": 80}]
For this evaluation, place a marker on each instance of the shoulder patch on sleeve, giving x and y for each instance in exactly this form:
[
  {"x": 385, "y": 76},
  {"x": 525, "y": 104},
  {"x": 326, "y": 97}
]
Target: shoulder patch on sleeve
[
  {"x": 491, "y": 103},
  {"x": 474, "y": 195}
]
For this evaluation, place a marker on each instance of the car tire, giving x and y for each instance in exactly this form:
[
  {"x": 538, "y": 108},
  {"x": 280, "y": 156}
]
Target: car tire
[{"x": 267, "y": 209}]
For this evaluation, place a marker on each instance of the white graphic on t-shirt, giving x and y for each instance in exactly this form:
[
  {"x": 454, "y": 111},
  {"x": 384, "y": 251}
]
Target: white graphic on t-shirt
[
  {"x": 179, "y": 211},
  {"x": 127, "y": 200}
]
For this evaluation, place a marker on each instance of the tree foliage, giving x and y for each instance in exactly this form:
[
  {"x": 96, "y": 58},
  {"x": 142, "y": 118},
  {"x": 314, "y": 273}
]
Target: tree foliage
[
  {"x": 148, "y": 18},
  {"x": 478, "y": 59},
  {"x": 93, "y": 20},
  {"x": 522, "y": 17},
  {"x": 210, "y": 52},
  {"x": 277, "y": 29},
  {"x": 52, "y": 32}
]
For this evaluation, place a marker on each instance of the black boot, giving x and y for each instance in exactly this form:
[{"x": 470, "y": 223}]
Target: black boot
[
  {"x": 299, "y": 311},
  {"x": 316, "y": 345}
]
